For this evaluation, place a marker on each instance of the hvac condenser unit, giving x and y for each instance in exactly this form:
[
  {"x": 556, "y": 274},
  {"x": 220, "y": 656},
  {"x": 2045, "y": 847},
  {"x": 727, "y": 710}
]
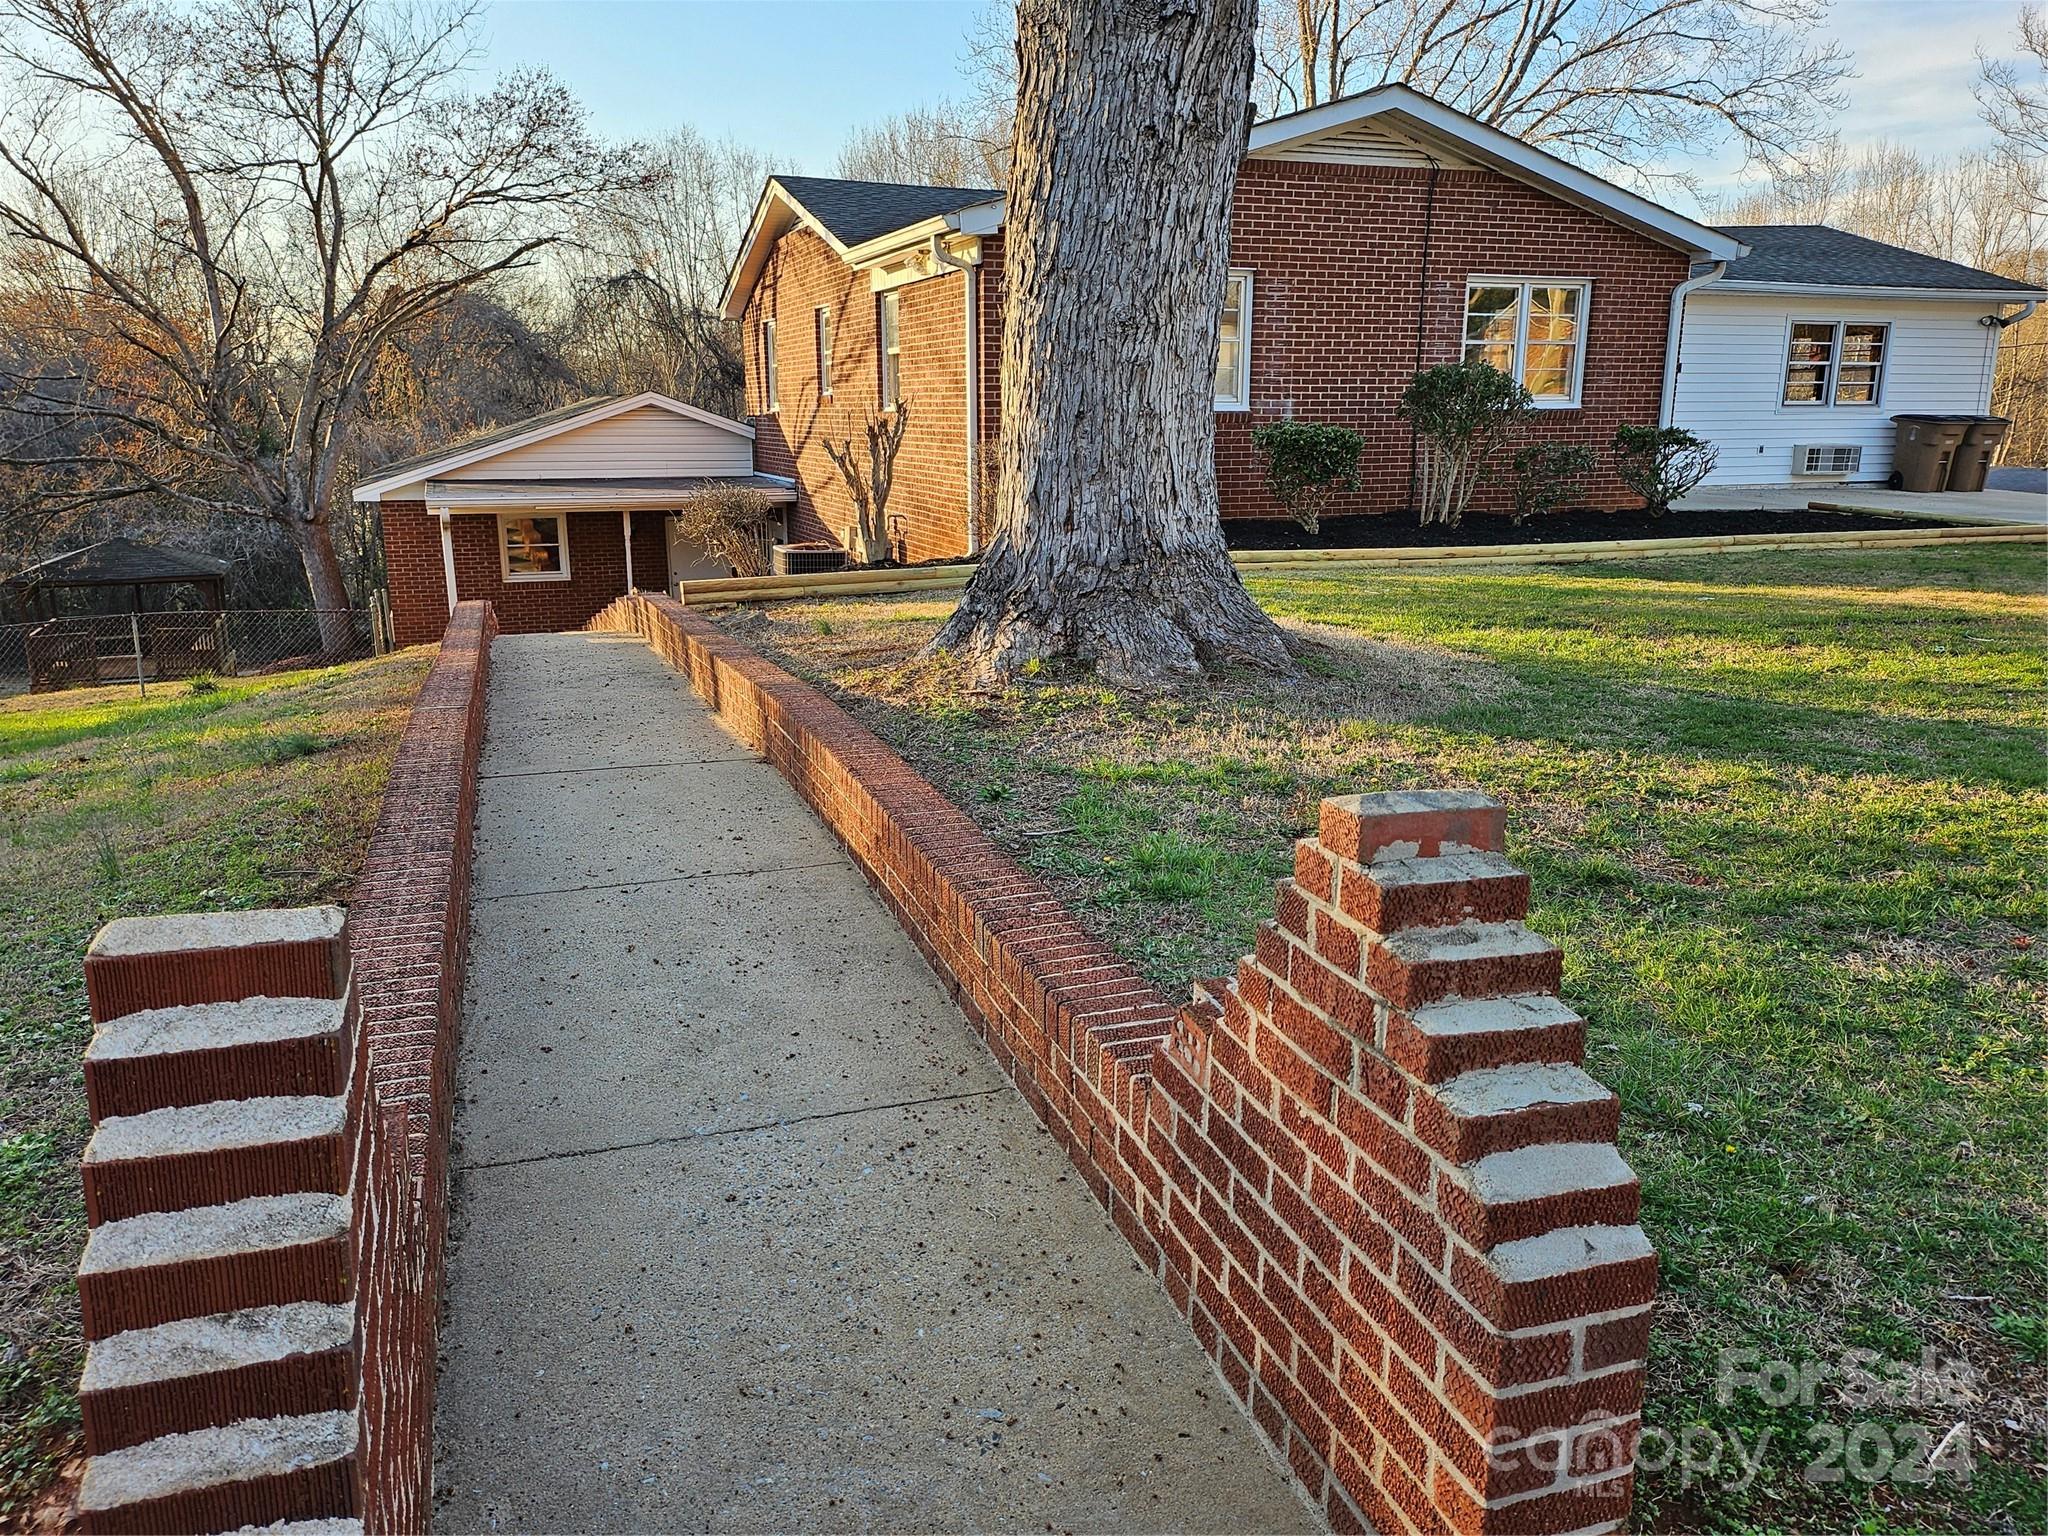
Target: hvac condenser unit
[{"x": 1826, "y": 461}]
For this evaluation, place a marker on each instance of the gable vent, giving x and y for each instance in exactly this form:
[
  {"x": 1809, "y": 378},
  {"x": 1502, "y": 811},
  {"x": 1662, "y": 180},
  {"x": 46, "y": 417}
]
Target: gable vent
[{"x": 1827, "y": 461}]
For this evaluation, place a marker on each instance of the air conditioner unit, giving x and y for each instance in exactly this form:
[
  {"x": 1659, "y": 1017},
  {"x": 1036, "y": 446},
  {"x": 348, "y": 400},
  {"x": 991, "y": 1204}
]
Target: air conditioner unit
[{"x": 1826, "y": 461}]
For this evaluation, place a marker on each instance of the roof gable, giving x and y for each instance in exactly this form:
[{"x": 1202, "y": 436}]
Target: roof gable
[
  {"x": 856, "y": 212},
  {"x": 1410, "y": 117},
  {"x": 1821, "y": 256},
  {"x": 849, "y": 216},
  {"x": 535, "y": 429}
]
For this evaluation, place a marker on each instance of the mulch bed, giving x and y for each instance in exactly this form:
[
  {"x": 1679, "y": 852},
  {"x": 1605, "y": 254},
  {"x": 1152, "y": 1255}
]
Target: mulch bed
[{"x": 1399, "y": 531}]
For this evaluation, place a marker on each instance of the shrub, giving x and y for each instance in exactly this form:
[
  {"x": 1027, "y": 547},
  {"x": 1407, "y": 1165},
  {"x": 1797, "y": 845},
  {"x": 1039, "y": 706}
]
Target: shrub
[
  {"x": 730, "y": 521},
  {"x": 1546, "y": 476},
  {"x": 1308, "y": 463},
  {"x": 1660, "y": 464},
  {"x": 1462, "y": 412}
]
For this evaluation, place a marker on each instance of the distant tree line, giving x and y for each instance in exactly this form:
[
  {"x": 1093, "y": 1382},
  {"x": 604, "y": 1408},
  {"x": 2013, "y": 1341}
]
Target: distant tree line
[{"x": 250, "y": 250}]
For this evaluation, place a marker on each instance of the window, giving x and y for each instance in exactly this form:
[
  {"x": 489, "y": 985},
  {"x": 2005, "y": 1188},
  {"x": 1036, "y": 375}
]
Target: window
[
  {"x": 892, "y": 350},
  {"x": 822, "y": 323},
  {"x": 1531, "y": 330},
  {"x": 1839, "y": 362},
  {"x": 532, "y": 548},
  {"x": 1233, "y": 345},
  {"x": 770, "y": 385}
]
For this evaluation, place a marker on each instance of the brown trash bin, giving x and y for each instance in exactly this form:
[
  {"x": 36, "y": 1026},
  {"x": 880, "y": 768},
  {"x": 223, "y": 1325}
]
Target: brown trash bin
[
  {"x": 1972, "y": 461},
  {"x": 1924, "y": 449}
]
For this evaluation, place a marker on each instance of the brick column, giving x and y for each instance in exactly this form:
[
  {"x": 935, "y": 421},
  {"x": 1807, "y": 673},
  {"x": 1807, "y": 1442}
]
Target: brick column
[
  {"x": 1395, "y": 1206},
  {"x": 227, "y": 1093}
]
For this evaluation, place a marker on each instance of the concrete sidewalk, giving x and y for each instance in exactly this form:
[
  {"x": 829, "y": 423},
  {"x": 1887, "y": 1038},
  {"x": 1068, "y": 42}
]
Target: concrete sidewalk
[{"x": 749, "y": 1232}]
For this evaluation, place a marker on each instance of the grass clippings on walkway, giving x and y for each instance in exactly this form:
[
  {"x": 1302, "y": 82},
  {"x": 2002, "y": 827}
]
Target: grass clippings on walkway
[
  {"x": 204, "y": 796},
  {"x": 1786, "y": 815}
]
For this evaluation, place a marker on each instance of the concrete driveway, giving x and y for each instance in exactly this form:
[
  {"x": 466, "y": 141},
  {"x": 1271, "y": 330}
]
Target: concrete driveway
[{"x": 749, "y": 1232}]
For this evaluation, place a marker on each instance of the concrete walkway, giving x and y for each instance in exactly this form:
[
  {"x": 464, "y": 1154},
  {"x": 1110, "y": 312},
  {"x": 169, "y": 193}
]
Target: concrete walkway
[
  {"x": 2011, "y": 498},
  {"x": 749, "y": 1232}
]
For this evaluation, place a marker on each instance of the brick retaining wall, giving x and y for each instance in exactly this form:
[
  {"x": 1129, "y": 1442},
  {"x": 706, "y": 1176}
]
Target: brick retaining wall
[
  {"x": 1367, "y": 1168},
  {"x": 267, "y": 1179}
]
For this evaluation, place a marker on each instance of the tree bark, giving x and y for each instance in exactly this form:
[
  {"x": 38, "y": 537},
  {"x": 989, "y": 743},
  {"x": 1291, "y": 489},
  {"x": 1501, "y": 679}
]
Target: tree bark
[
  {"x": 1131, "y": 124},
  {"x": 315, "y": 543}
]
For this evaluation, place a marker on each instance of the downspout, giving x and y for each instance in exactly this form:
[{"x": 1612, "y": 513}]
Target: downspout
[
  {"x": 1667, "y": 401},
  {"x": 1422, "y": 310},
  {"x": 969, "y": 272},
  {"x": 1995, "y": 326}
]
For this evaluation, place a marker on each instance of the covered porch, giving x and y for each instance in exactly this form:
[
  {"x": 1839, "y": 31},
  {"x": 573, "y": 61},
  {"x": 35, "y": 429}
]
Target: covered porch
[{"x": 625, "y": 533}]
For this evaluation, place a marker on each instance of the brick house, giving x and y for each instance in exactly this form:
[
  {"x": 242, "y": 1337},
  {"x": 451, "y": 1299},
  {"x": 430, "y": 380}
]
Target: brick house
[
  {"x": 551, "y": 518},
  {"x": 1369, "y": 237}
]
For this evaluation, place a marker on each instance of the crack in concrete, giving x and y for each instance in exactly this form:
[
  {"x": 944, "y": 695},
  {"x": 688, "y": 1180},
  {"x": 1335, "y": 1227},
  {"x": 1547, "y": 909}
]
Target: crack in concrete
[
  {"x": 619, "y": 885},
  {"x": 784, "y": 1122},
  {"x": 684, "y": 762}
]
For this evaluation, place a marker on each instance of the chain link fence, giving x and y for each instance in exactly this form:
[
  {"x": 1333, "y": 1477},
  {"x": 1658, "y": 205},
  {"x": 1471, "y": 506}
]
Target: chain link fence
[{"x": 102, "y": 650}]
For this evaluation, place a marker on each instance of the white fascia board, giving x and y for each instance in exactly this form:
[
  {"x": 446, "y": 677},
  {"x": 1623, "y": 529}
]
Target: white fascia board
[
  {"x": 460, "y": 458},
  {"x": 778, "y": 207},
  {"x": 1505, "y": 153},
  {"x": 1826, "y": 291}
]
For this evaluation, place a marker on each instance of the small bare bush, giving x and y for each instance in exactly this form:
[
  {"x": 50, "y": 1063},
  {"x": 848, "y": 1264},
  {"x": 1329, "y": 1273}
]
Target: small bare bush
[{"x": 730, "y": 521}]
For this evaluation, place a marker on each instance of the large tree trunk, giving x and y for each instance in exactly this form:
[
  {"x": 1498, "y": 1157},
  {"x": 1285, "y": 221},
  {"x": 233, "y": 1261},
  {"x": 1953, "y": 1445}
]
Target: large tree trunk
[
  {"x": 1131, "y": 123},
  {"x": 314, "y": 540}
]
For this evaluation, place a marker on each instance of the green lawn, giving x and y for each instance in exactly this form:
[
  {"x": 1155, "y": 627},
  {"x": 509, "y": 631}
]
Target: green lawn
[
  {"x": 247, "y": 793},
  {"x": 1786, "y": 815}
]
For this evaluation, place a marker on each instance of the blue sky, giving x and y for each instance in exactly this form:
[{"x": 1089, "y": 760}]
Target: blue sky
[{"x": 792, "y": 77}]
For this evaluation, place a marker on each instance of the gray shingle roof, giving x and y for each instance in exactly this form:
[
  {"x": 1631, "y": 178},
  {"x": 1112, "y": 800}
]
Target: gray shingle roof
[
  {"x": 1833, "y": 258},
  {"x": 120, "y": 562},
  {"x": 859, "y": 211}
]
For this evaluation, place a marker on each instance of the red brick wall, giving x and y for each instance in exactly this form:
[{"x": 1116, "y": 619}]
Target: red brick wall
[
  {"x": 597, "y": 570},
  {"x": 1336, "y": 257},
  {"x": 1368, "y": 1168},
  {"x": 1336, "y": 254},
  {"x": 398, "y": 963},
  {"x": 928, "y": 508}
]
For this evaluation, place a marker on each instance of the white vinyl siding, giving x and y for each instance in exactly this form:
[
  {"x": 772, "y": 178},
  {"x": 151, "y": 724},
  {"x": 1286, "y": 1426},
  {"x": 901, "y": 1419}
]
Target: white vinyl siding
[
  {"x": 1732, "y": 376},
  {"x": 648, "y": 441},
  {"x": 1234, "y": 345},
  {"x": 1367, "y": 143}
]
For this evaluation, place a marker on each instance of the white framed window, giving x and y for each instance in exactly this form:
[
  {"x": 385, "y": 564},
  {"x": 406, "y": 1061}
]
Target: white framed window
[
  {"x": 533, "y": 546},
  {"x": 1835, "y": 362},
  {"x": 821, "y": 325},
  {"x": 1234, "y": 344},
  {"x": 1532, "y": 329},
  {"x": 890, "y": 327},
  {"x": 771, "y": 384}
]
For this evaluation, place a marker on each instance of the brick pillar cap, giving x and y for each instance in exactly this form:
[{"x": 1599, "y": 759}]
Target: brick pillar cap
[
  {"x": 1412, "y": 802},
  {"x": 184, "y": 932}
]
